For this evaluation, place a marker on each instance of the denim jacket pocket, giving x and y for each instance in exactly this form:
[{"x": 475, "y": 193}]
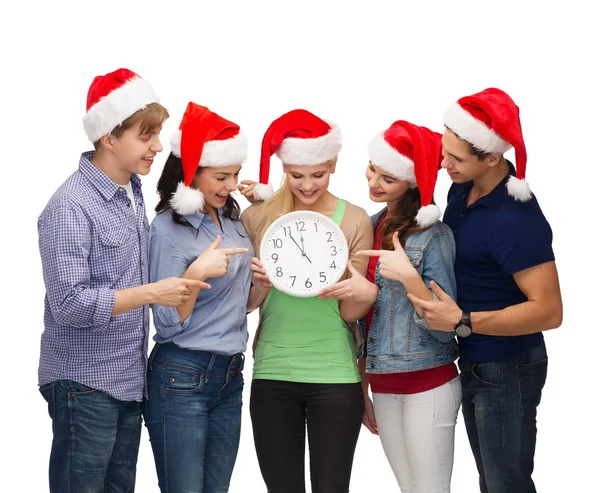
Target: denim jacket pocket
[{"x": 179, "y": 382}]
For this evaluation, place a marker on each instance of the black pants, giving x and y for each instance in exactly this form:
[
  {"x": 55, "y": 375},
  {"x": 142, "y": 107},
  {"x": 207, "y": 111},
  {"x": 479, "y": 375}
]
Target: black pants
[{"x": 281, "y": 411}]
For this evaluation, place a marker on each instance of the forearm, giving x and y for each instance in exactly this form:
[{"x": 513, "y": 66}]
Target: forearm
[
  {"x": 351, "y": 311},
  {"x": 525, "y": 318},
  {"x": 256, "y": 298},
  {"x": 415, "y": 285},
  {"x": 131, "y": 298}
]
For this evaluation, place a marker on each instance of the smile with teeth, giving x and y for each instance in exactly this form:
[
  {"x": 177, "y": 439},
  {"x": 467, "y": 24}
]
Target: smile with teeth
[
  {"x": 148, "y": 160},
  {"x": 223, "y": 195},
  {"x": 377, "y": 193},
  {"x": 308, "y": 194}
]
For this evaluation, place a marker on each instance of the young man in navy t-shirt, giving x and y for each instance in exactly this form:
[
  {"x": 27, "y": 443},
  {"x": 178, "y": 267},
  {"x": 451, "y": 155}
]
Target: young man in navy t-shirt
[{"x": 508, "y": 288}]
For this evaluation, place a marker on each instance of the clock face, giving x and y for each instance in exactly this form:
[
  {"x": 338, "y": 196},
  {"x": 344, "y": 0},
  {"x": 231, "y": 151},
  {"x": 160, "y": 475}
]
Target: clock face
[{"x": 303, "y": 252}]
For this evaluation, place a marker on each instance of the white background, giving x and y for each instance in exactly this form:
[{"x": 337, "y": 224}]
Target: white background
[{"x": 363, "y": 65}]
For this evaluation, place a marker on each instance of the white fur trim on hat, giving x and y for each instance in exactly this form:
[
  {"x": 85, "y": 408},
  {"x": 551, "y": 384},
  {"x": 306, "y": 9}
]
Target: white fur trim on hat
[
  {"x": 217, "y": 153},
  {"x": 309, "y": 152},
  {"x": 114, "y": 108},
  {"x": 428, "y": 215},
  {"x": 389, "y": 159},
  {"x": 263, "y": 192},
  {"x": 187, "y": 200},
  {"x": 518, "y": 189},
  {"x": 463, "y": 124}
]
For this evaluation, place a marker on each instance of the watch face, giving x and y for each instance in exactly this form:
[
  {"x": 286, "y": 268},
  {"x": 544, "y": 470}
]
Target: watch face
[
  {"x": 303, "y": 252},
  {"x": 463, "y": 331}
]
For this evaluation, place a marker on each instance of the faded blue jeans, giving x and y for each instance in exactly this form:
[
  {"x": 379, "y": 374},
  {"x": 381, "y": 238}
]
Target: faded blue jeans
[
  {"x": 193, "y": 415},
  {"x": 500, "y": 400},
  {"x": 95, "y": 442}
]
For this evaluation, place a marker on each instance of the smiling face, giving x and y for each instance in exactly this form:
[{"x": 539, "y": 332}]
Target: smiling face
[
  {"x": 460, "y": 163},
  {"x": 216, "y": 184},
  {"x": 383, "y": 187},
  {"x": 134, "y": 150},
  {"x": 308, "y": 183}
]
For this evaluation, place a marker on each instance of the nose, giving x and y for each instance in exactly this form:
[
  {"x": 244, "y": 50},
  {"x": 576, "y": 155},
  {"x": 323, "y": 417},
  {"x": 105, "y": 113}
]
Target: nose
[
  {"x": 445, "y": 163},
  {"x": 156, "y": 145}
]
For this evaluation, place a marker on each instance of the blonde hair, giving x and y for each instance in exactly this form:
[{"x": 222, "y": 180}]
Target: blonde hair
[{"x": 281, "y": 203}]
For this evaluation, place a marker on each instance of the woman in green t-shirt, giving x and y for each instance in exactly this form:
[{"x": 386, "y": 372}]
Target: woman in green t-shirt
[{"x": 305, "y": 374}]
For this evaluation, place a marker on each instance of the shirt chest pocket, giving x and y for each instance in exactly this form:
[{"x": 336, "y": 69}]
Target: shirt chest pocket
[
  {"x": 416, "y": 257},
  {"x": 117, "y": 250}
]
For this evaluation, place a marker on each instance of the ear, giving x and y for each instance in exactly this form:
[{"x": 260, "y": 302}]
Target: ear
[
  {"x": 493, "y": 159},
  {"x": 333, "y": 165},
  {"x": 107, "y": 141}
]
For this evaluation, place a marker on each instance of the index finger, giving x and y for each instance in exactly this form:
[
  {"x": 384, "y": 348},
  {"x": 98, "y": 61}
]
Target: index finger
[
  {"x": 233, "y": 251},
  {"x": 371, "y": 253},
  {"x": 193, "y": 283}
]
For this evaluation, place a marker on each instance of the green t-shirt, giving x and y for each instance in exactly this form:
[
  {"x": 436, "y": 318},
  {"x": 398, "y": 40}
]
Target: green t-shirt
[{"x": 305, "y": 339}]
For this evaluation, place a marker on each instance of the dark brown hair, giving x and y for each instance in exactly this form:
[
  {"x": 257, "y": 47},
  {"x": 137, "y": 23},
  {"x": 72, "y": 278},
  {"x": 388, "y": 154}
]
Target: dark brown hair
[
  {"x": 481, "y": 155},
  {"x": 401, "y": 219}
]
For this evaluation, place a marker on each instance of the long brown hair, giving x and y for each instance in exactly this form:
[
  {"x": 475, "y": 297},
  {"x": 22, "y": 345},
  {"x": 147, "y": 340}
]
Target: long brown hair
[{"x": 401, "y": 219}]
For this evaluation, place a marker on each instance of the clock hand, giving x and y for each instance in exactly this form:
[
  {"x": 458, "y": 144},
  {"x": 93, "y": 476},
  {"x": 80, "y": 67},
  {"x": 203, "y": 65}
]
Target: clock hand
[{"x": 301, "y": 249}]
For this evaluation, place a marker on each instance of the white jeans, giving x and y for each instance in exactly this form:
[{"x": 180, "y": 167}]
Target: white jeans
[{"x": 417, "y": 434}]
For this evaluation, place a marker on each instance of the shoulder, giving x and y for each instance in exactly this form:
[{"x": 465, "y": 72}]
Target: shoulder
[
  {"x": 355, "y": 216},
  {"x": 70, "y": 198},
  {"x": 249, "y": 215},
  {"x": 437, "y": 233},
  {"x": 516, "y": 217}
]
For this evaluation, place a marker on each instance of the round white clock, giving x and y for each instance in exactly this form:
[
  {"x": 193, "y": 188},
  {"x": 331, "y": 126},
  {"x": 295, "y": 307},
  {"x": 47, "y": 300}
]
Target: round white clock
[{"x": 303, "y": 252}]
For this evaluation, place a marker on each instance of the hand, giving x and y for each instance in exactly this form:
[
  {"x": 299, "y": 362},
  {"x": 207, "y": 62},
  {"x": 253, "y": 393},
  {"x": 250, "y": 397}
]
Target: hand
[
  {"x": 441, "y": 314},
  {"x": 393, "y": 264},
  {"x": 174, "y": 291},
  {"x": 357, "y": 288},
  {"x": 259, "y": 275},
  {"x": 212, "y": 262},
  {"x": 246, "y": 188},
  {"x": 369, "y": 417}
]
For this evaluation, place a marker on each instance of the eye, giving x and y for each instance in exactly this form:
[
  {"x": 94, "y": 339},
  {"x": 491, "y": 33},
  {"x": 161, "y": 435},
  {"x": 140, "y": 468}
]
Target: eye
[
  {"x": 318, "y": 175},
  {"x": 221, "y": 179},
  {"x": 297, "y": 177},
  {"x": 387, "y": 180}
]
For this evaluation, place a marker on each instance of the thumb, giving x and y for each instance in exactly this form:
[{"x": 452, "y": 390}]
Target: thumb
[
  {"x": 439, "y": 292},
  {"x": 215, "y": 244},
  {"x": 352, "y": 270},
  {"x": 396, "y": 242}
]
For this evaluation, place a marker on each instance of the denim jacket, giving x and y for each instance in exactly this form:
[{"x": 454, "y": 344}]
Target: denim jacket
[{"x": 398, "y": 339}]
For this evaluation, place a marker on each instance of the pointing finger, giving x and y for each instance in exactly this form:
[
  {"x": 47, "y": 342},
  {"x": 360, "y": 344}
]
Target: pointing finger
[
  {"x": 215, "y": 244},
  {"x": 396, "y": 242},
  {"x": 371, "y": 253},
  {"x": 234, "y": 251}
]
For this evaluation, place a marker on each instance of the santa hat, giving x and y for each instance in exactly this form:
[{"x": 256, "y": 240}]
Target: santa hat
[
  {"x": 298, "y": 138},
  {"x": 489, "y": 120},
  {"x": 208, "y": 140},
  {"x": 112, "y": 98},
  {"x": 413, "y": 154}
]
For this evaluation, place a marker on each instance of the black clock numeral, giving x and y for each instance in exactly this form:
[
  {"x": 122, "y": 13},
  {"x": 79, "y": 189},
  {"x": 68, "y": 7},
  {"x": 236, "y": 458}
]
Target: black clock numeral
[
  {"x": 287, "y": 231},
  {"x": 308, "y": 284},
  {"x": 329, "y": 240},
  {"x": 316, "y": 228},
  {"x": 275, "y": 257},
  {"x": 277, "y": 242},
  {"x": 334, "y": 251},
  {"x": 279, "y": 272},
  {"x": 332, "y": 266},
  {"x": 322, "y": 276},
  {"x": 293, "y": 279},
  {"x": 300, "y": 226}
]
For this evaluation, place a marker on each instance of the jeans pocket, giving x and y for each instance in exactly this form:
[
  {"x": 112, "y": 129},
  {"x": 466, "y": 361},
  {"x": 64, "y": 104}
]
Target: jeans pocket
[
  {"x": 76, "y": 388},
  {"x": 488, "y": 373},
  {"x": 532, "y": 377},
  {"x": 179, "y": 382},
  {"x": 47, "y": 391}
]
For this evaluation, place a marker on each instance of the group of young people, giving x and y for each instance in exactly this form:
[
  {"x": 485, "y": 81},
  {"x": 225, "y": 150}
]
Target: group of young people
[{"x": 481, "y": 285}]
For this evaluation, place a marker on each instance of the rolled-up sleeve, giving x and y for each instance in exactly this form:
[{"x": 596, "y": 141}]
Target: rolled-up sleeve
[
  {"x": 165, "y": 260},
  {"x": 65, "y": 242}
]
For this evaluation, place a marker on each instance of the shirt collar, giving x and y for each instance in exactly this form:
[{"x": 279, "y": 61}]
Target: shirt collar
[
  {"x": 196, "y": 218},
  {"x": 498, "y": 196},
  {"x": 99, "y": 179}
]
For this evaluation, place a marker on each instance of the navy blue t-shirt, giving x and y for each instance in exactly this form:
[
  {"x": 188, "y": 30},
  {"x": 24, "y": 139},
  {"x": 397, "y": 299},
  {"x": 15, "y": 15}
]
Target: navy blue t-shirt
[{"x": 496, "y": 237}]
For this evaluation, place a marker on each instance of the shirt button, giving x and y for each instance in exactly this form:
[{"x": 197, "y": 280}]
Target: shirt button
[
  {"x": 371, "y": 339},
  {"x": 121, "y": 189},
  {"x": 243, "y": 310},
  {"x": 462, "y": 215},
  {"x": 372, "y": 365},
  {"x": 142, "y": 262},
  {"x": 128, "y": 204},
  {"x": 237, "y": 329}
]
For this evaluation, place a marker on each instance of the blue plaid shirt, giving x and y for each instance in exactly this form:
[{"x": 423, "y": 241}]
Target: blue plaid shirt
[{"x": 93, "y": 243}]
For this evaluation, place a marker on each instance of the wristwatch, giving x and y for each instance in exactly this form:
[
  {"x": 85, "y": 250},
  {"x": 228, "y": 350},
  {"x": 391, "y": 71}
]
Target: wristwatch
[{"x": 463, "y": 327}]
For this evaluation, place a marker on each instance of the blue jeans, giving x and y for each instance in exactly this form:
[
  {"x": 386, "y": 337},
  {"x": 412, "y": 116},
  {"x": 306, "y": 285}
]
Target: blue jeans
[
  {"x": 193, "y": 415},
  {"x": 500, "y": 400},
  {"x": 96, "y": 439}
]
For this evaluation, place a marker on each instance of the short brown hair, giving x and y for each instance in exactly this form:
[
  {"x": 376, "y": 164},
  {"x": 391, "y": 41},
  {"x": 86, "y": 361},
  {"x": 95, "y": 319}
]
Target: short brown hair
[
  {"x": 481, "y": 155},
  {"x": 149, "y": 118}
]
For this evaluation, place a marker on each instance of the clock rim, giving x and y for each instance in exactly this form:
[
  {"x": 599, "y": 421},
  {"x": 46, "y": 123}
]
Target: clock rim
[{"x": 317, "y": 215}]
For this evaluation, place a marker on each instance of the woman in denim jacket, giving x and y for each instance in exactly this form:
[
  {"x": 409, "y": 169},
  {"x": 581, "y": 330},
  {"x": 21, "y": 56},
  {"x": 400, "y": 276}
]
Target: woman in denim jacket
[{"x": 410, "y": 368}]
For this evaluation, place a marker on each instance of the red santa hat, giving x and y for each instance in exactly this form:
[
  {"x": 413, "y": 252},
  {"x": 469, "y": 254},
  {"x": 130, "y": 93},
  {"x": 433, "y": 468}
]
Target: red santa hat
[
  {"x": 112, "y": 98},
  {"x": 489, "y": 120},
  {"x": 413, "y": 154},
  {"x": 298, "y": 138},
  {"x": 208, "y": 140}
]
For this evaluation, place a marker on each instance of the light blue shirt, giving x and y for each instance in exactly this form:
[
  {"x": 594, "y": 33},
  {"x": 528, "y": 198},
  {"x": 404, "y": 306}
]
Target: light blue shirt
[{"x": 218, "y": 322}]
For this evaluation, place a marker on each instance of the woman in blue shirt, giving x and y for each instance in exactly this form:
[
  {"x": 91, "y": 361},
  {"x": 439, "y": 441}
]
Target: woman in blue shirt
[{"x": 193, "y": 411}]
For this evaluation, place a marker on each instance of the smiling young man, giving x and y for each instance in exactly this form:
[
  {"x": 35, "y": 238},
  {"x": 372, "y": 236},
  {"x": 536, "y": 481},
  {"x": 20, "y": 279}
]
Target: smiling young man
[
  {"x": 93, "y": 240},
  {"x": 507, "y": 283}
]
